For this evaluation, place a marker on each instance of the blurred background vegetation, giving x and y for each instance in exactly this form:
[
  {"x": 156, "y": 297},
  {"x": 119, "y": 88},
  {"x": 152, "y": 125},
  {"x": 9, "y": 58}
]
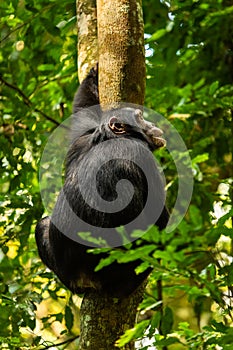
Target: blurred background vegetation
[{"x": 189, "y": 57}]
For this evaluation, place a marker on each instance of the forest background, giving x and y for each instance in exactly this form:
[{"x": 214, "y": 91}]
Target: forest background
[{"x": 189, "y": 61}]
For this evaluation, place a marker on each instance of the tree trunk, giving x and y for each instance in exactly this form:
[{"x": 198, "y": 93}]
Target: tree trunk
[
  {"x": 121, "y": 51},
  {"x": 87, "y": 36},
  {"x": 103, "y": 320},
  {"x": 121, "y": 79}
]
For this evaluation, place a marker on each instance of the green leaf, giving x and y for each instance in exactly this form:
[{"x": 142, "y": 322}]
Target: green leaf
[
  {"x": 157, "y": 35},
  {"x": 105, "y": 262},
  {"x": 137, "y": 332},
  {"x": 167, "y": 321},
  {"x": 200, "y": 158},
  {"x": 88, "y": 237},
  {"x": 138, "y": 253},
  {"x": 45, "y": 67},
  {"x": 69, "y": 318},
  {"x": 213, "y": 87}
]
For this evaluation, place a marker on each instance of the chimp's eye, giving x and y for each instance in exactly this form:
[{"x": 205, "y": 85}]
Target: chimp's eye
[{"x": 116, "y": 126}]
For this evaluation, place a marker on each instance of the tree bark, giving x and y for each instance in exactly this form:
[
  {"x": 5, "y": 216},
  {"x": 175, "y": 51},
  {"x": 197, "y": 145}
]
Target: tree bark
[
  {"x": 121, "y": 51},
  {"x": 87, "y": 36},
  {"x": 103, "y": 320},
  {"x": 121, "y": 79}
]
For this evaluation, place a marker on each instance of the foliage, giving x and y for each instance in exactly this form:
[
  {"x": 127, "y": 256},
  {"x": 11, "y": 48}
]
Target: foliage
[
  {"x": 38, "y": 79},
  {"x": 189, "y": 69}
]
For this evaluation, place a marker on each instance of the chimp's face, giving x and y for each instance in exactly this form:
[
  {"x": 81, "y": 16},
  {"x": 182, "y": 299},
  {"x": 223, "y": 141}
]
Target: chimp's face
[{"x": 129, "y": 122}]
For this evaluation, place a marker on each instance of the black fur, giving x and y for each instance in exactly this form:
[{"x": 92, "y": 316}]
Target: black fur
[{"x": 129, "y": 135}]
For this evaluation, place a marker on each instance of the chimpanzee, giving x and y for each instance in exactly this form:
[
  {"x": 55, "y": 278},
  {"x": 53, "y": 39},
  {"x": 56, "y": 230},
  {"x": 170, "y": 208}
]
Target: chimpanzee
[{"x": 111, "y": 180}]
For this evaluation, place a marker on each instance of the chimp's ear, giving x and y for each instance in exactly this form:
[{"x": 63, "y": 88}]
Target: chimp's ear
[{"x": 116, "y": 126}]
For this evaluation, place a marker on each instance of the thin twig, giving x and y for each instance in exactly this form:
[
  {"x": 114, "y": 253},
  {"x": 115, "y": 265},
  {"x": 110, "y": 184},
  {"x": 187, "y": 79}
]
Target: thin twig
[
  {"x": 67, "y": 341},
  {"x": 27, "y": 22},
  {"x": 27, "y": 101},
  {"x": 14, "y": 30}
]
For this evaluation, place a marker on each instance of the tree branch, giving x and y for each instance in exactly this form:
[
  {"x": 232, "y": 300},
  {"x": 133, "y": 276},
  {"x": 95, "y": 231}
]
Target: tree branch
[
  {"x": 27, "y": 101},
  {"x": 27, "y": 22},
  {"x": 67, "y": 341}
]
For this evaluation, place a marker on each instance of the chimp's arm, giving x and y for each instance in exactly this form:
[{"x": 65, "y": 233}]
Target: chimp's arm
[{"x": 87, "y": 94}]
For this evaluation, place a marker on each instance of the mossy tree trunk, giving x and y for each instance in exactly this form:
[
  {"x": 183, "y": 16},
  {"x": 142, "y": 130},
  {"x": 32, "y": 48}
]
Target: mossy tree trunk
[
  {"x": 120, "y": 53},
  {"x": 87, "y": 36},
  {"x": 103, "y": 320}
]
